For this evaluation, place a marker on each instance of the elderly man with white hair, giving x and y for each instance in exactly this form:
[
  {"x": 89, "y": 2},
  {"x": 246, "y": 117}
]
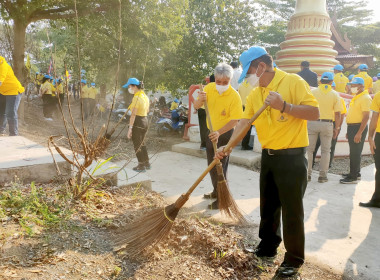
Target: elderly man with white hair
[{"x": 225, "y": 109}]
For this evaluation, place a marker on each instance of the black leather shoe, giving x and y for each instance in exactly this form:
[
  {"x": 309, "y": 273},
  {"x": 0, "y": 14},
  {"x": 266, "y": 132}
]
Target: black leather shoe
[
  {"x": 370, "y": 204},
  {"x": 213, "y": 206},
  {"x": 345, "y": 175},
  {"x": 285, "y": 271},
  {"x": 265, "y": 253},
  {"x": 211, "y": 195}
]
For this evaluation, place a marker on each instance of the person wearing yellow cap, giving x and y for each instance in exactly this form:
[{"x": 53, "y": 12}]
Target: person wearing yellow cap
[
  {"x": 374, "y": 143},
  {"x": 329, "y": 107},
  {"x": 225, "y": 110},
  {"x": 340, "y": 79},
  {"x": 282, "y": 132},
  {"x": 376, "y": 85},
  {"x": 357, "y": 119},
  {"x": 368, "y": 82},
  {"x": 10, "y": 97},
  {"x": 138, "y": 122},
  {"x": 48, "y": 98}
]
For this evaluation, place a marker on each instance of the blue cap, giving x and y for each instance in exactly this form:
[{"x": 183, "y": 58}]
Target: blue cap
[
  {"x": 333, "y": 84},
  {"x": 132, "y": 81},
  {"x": 338, "y": 67},
  {"x": 83, "y": 81},
  {"x": 327, "y": 76},
  {"x": 350, "y": 77},
  {"x": 176, "y": 100},
  {"x": 93, "y": 84},
  {"x": 363, "y": 67},
  {"x": 247, "y": 57},
  {"x": 378, "y": 75},
  {"x": 47, "y": 76},
  {"x": 274, "y": 64},
  {"x": 357, "y": 81},
  {"x": 37, "y": 73}
]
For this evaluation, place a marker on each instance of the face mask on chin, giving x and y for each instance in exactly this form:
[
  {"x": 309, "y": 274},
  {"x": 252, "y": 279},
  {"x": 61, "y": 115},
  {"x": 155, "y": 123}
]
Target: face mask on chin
[
  {"x": 354, "y": 90},
  {"x": 221, "y": 88},
  {"x": 253, "y": 79},
  {"x": 130, "y": 90}
]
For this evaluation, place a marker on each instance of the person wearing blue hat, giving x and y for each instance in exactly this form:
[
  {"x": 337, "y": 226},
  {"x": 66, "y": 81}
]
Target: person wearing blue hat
[
  {"x": 174, "y": 104},
  {"x": 376, "y": 85},
  {"x": 309, "y": 76},
  {"x": 340, "y": 79},
  {"x": 374, "y": 143},
  {"x": 357, "y": 119},
  {"x": 368, "y": 83},
  {"x": 138, "y": 122},
  {"x": 48, "y": 98},
  {"x": 85, "y": 99},
  {"x": 329, "y": 109},
  {"x": 282, "y": 132}
]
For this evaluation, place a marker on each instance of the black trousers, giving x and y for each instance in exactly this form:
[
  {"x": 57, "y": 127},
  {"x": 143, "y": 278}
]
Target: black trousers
[
  {"x": 283, "y": 181},
  {"x": 355, "y": 148},
  {"x": 140, "y": 127},
  {"x": 49, "y": 105},
  {"x": 86, "y": 107},
  {"x": 332, "y": 152},
  {"x": 245, "y": 141},
  {"x": 376, "y": 194},
  {"x": 203, "y": 130},
  {"x": 222, "y": 141}
]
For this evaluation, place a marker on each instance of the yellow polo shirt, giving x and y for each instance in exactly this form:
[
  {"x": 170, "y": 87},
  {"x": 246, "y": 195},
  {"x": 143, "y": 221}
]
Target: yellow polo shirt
[
  {"x": 223, "y": 107},
  {"x": 245, "y": 89},
  {"x": 368, "y": 82},
  {"x": 59, "y": 89},
  {"x": 10, "y": 84},
  {"x": 340, "y": 82},
  {"x": 273, "y": 131},
  {"x": 376, "y": 87},
  {"x": 92, "y": 92},
  {"x": 85, "y": 92},
  {"x": 47, "y": 88},
  {"x": 360, "y": 103},
  {"x": 173, "y": 106},
  {"x": 328, "y": 101},
  {"x": 141, "y": 102},
  {"x": 375, "y": 106}
]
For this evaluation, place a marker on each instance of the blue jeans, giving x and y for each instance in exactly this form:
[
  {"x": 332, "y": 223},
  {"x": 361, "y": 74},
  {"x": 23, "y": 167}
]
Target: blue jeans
[{"x": 8, "y": 112}]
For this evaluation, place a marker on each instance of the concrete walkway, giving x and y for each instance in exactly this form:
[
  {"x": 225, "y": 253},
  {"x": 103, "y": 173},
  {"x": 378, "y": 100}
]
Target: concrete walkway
[{"x": 339, "y": 234}]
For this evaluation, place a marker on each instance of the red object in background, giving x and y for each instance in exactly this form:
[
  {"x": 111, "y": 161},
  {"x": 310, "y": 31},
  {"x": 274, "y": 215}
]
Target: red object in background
[{"x": 191, "y": 114}]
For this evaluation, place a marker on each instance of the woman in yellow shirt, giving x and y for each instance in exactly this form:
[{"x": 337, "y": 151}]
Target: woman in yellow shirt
[
  {"x": 48, "y": 98},
  {"x": 138, "y": 122}
]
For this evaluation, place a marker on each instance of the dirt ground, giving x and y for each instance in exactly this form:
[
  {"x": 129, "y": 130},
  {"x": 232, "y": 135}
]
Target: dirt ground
[{"x": 48, "y": 237}]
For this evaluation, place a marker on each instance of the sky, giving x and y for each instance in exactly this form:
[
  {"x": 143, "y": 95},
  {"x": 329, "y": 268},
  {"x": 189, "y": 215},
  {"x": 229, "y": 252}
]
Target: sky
[{"x": 375, "y": 7}]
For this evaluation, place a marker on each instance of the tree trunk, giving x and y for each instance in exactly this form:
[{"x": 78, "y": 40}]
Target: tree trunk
[{"x": 19, "y": 33}]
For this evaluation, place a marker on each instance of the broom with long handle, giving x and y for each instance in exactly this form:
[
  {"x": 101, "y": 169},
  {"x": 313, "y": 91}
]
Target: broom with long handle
[
  {"x": 156, "y": 224},
  {"x": 226, "y": 202}
]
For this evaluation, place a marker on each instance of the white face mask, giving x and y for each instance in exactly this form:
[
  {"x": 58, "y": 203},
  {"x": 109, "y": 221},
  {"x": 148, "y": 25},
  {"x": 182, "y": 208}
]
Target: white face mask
[
  {"x": 130, "y": 90},
  {"x": 221, "y": 88},
  {"x": 354, "y": 90},
  {"x": 253, "y": 79}
]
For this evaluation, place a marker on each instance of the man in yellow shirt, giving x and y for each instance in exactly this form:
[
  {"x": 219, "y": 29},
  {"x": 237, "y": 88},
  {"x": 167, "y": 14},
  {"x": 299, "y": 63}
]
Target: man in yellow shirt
[
  {"x": 282, "y": 132},
  {"x": 376, "y": 85},
  {"x": 10, "y": 97},
  {"x": 60, "y": 92},
  {"x": 329, "y": 107},
  {"x": 92, "y": 93},
  {"x": 174, "y": 104},
  {"x": 225, "y": 110},
  {"x": 368, "y": 82},
  {"x": 374, "y": 143},
  {"x": 340, "y": 79},
  {"x": 84, "y": 95},
  {"x": 357, "y": 119}
]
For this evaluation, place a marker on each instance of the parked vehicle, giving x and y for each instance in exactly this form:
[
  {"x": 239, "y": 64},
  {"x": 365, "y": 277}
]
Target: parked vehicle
[{"x": 174, "y": 124}]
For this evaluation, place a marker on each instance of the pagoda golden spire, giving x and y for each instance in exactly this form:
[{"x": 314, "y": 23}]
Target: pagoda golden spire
[{"x": 308, "y": 38}]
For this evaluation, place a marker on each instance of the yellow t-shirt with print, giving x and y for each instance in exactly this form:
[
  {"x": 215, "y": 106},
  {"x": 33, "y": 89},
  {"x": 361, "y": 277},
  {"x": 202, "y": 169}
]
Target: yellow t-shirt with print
[
  {"x": 273, "y": 131},
  {"x": 173, "y": 106},
  {"x": 328, "y": 100},
  {"x": 47, "y": 88},
  {"x": 10, "y": 84},
  {"x": 85, "y": 93},
  {"x": 340, "y": 82},
  {"x": 375, "y": 106},
  {"x": 245, "y": 89},
  {"x": 223, "y": 107},
  {"x": 140, "y": 101},
  {"x": 376, "y": 87},
  {"x": 360, "y": 103},
  {"x": 92, "y": 92},
  {"x": 368, "y": 82}
]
